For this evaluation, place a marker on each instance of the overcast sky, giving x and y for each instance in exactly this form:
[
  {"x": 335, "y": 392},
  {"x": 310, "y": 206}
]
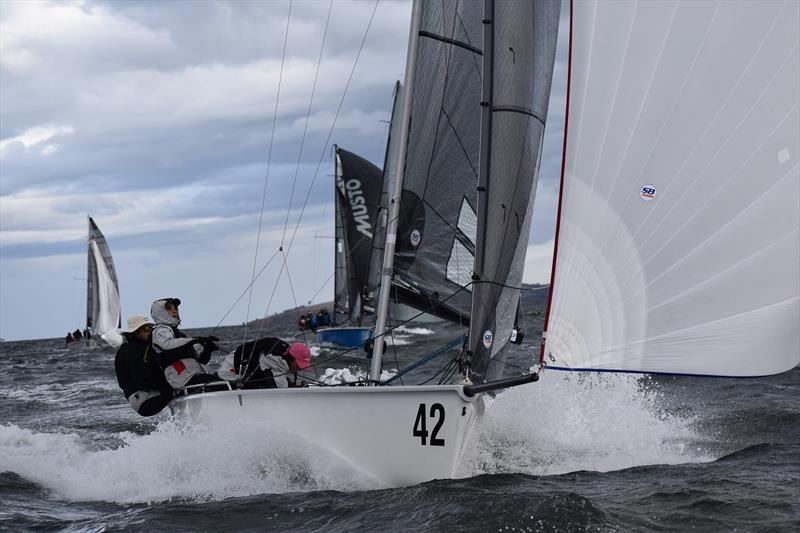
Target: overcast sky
[{"x": 156, "y": 119}]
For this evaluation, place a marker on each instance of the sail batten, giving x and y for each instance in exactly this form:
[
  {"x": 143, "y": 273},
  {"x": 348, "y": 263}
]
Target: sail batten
[{"x": 678, "y": 247}]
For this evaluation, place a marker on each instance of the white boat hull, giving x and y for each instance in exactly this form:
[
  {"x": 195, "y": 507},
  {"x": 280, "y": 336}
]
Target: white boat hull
[{"x": 381, "y": 431}]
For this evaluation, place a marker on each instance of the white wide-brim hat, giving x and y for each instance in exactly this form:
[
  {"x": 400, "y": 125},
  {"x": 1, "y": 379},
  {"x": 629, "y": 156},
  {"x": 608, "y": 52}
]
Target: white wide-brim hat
[{"x": 135, "y": 322}]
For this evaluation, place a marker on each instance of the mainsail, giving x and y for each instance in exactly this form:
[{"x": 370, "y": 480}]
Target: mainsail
[
  {"x": 103, "y": 312},
  {"x": 679, "y": 242},
  {"x": 436, "y": 236},
  {"x": 358, "y": 197}
]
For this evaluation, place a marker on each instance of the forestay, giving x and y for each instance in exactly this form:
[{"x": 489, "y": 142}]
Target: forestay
[
  {"x": 678, "y": 248},
  {"x": 103, "y": 312}
]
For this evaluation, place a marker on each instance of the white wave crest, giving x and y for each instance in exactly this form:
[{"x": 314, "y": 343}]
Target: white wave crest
[
  {"x": 403, "y": 330},
  {"x": 570, "y": 422},
  {"x": 175, "y": 461}
]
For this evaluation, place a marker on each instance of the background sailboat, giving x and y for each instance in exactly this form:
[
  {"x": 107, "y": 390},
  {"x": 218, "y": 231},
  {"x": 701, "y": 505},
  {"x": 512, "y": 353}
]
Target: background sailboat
[
  {"x": 357, "y": 211},
  {"x": 103, "y": 311}
]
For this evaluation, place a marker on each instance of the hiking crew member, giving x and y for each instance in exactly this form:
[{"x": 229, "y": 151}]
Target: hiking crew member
[
  {"x": 138, "y": 373},
  {"x": 179, "y": 355},
  {"x": 269, "y": 362}
]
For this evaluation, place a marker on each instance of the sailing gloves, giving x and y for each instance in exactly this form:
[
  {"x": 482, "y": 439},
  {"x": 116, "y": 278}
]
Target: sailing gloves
[{"x": 204, "y": 346}]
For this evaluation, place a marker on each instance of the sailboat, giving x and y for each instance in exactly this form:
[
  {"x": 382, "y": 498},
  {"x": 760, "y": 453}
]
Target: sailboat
[
  {"x": 677, "y": 238},
  {"x": 103, "y": 312},
  {"x": 357, "y": 212}
]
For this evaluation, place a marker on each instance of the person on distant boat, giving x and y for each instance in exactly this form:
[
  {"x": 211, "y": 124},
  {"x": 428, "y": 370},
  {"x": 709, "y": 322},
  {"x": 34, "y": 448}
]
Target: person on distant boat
[
  {"x": 313, "y": 323},
  {"x": 269, "y": 362},
  {"x": 87, "y": 334},
  {"x": 69, "y": 338},
  {"x": 302, "y": 323},
  {"x": 323, "y": 318},
  {"x": 76, "y": 335},
  {"x": 138, "y": 374},
  {"x": 180, "y": 356}
]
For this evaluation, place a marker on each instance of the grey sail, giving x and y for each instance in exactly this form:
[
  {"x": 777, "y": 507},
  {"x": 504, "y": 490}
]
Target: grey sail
[
  {"x": 102, "y": 298},
  {"x": 436, "y": 235},
  {"x": 521, "y": 45},
  {"x": 381, "y": 222},
  {"x": 358, "y": 199}
]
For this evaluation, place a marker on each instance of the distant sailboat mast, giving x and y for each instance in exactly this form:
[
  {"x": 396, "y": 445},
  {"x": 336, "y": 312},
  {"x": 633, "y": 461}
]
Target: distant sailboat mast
[{"x": 394, "y": 200}]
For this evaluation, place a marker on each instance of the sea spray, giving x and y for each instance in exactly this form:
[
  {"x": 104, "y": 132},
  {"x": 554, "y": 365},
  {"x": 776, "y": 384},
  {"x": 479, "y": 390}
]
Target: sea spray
[
  {"x": 176, "y": 461},
  {"x": 569, "y": 422}
]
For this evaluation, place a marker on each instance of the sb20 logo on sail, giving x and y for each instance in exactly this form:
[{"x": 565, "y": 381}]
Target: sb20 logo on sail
[{"x": 648, "y": 193}]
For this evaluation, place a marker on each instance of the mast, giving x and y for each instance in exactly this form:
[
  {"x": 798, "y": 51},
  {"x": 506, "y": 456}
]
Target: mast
[
  {"x": 89, "y": 277},
  {"x": 394, "y": 202},
  {"x": 483, "y": 164}
]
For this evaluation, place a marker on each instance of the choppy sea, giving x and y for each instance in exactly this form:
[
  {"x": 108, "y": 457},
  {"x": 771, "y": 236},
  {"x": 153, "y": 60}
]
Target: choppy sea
[{"x": 572, "y": 452}]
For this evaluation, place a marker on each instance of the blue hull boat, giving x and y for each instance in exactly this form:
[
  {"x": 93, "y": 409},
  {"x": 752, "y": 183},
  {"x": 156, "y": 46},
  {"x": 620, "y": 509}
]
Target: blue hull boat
[{"x": 344, "y": 337}]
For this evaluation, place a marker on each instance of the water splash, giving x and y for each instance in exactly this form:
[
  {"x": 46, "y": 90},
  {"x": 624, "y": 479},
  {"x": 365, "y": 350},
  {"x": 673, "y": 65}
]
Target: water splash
[
  {"x": 176, "y": 461},
  {"x": 404, "y": 330},
  {"x": 570, "y": 422}
]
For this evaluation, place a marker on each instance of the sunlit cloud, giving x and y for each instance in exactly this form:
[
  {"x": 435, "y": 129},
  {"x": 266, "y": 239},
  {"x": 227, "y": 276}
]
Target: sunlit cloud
[{"x": 36, "y": 136}]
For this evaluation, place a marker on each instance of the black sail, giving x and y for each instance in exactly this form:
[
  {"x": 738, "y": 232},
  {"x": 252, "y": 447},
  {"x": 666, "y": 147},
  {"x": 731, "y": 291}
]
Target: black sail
[
  {"x": 436, "y": 235},
  {"x": 524, "y": 42},
  {"x": 358, "y": 198},
  {"x": 341, "y": 293}
]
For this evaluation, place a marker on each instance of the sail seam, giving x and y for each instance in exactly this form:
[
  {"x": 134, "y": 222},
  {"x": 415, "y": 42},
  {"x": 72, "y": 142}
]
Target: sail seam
[
  {"x": 622, "y": 346},
  {"x": 517, "y": 109},
  {"x": 732, "y": 267},
  {"x": 713, "y": 121},
  {"x": 450, "y": 40}
]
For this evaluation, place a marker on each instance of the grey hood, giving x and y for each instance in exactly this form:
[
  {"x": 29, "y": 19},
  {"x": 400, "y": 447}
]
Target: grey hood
[{"x": 160, "y": 315}]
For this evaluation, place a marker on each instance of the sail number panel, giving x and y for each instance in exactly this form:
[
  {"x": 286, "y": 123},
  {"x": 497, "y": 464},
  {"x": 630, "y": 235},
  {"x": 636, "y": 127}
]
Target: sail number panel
[{"x": 421, "y": 424}]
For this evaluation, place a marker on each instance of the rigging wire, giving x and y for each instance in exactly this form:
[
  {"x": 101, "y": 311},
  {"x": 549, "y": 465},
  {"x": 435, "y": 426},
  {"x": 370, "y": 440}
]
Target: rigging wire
[
  {"x": 263, "y": 268},
  {"x": 266, "y": 177},
  {"x": 333, "y": 126},
  {"x": 305, "y": 203},
  {"x": 305, "y": 127},
  {"x": 319, "y": 163}
]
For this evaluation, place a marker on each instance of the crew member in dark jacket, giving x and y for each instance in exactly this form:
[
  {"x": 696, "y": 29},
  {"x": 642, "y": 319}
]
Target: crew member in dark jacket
[{"x": 138, "y": 374}]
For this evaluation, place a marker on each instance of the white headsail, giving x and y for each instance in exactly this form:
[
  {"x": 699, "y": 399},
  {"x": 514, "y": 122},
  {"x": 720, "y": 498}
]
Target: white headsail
[
  {"x": 679, "y": 241},
  {"x": 103, "y": 311}
]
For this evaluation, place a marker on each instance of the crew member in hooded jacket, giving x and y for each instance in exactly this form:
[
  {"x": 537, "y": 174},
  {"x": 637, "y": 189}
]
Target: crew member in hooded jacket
[{"x": 179, "y": 355}]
